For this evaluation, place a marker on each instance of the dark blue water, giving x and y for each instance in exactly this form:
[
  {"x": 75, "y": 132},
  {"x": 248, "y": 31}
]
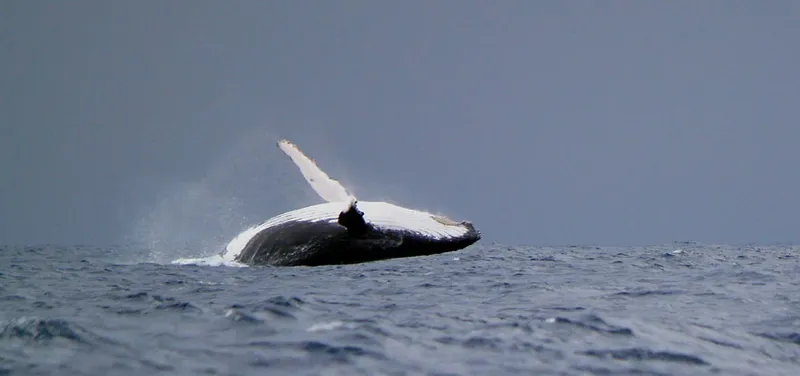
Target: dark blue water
[{"x": 679, "y": 309}]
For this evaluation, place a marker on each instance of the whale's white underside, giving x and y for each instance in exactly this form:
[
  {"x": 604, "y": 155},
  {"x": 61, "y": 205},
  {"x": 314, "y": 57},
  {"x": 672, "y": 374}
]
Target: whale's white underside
[{"x": 382, "y": 215}]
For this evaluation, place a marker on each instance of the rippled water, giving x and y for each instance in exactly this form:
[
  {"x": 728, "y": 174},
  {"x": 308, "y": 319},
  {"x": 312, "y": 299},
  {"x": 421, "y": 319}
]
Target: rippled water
[{"x": 678, "y": 309}]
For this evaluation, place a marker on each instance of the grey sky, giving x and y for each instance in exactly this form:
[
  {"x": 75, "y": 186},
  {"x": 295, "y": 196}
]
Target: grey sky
[{"x": 542, "y": 122}]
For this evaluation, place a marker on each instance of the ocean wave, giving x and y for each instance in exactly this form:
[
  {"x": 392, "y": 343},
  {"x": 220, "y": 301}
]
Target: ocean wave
[
  {"x": 45, "y": 330},
  {"x": 639, "y": 354}
]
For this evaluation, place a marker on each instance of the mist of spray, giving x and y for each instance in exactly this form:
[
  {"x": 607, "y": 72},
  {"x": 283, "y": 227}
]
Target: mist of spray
[{"x": 249, "y": 183}]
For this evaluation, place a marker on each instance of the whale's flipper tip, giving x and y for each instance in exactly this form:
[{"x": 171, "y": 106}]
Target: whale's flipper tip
[
  {"x": 284, "y": 143},
  {"x": 353, "y": 219}
]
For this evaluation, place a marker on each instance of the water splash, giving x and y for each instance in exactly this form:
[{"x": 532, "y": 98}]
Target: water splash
[
  {"x": 194, "y": 220},
  {"x": 213, "y": 260}
]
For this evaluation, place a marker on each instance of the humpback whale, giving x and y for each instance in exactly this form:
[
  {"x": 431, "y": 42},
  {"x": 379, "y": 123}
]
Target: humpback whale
[{"x": 343, "y": 230}]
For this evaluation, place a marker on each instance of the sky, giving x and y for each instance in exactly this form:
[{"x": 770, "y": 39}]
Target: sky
[{"x": 543, "y": 123}]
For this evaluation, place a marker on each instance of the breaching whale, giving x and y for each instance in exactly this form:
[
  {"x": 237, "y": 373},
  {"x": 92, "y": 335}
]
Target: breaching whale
[{"x": 343, "y": 230}]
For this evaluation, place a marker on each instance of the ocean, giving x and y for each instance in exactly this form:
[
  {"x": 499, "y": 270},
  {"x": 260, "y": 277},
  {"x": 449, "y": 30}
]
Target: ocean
[{"x": 675, "y": 309}]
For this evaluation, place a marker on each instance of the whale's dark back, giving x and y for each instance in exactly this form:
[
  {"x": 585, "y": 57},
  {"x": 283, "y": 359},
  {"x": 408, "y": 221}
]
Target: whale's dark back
[{"x": 329, "y": 243}]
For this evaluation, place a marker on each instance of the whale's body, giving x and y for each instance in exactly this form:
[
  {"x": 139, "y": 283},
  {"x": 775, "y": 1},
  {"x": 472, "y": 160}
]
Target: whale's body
[{"x": 344, "y": 230}]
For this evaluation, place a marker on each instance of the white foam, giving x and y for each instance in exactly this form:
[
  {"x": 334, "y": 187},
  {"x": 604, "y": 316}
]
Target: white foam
[
  {"x": 327, "y": 326},
  {"x": 215, "y": 260}
]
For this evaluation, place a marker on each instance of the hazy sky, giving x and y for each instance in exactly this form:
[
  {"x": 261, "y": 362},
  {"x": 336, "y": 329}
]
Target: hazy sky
[{"x": 543, "y": 122}]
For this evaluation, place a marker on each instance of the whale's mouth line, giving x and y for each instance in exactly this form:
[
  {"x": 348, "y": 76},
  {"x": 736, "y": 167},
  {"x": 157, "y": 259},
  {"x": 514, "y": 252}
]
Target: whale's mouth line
[{"x": 446, "y": 221}]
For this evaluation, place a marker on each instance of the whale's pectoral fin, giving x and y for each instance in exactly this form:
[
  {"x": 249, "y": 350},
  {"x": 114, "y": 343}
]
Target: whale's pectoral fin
[
  {"x": 329, "y": 189},
  {"x": 353, "y": 220}
]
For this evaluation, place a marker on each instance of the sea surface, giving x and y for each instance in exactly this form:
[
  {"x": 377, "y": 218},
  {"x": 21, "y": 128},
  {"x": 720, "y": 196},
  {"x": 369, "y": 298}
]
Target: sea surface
[{"x": 674, "y": 309}]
